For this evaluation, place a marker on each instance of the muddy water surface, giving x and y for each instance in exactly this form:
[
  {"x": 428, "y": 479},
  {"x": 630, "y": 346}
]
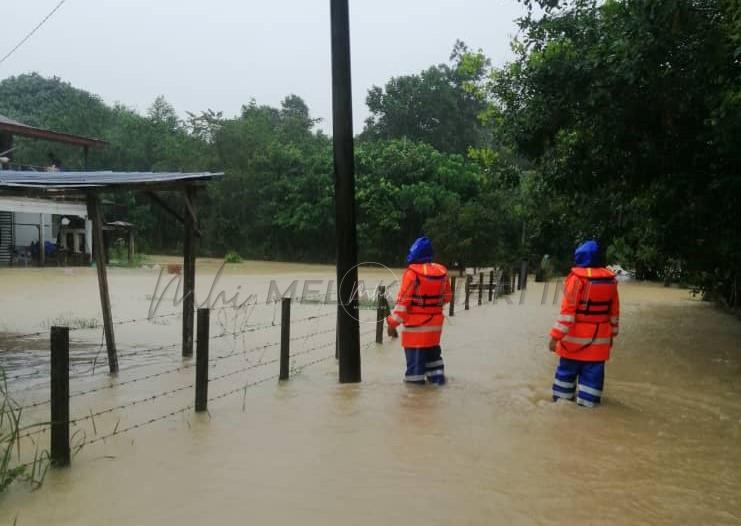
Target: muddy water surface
[{"x": 488, "y": 448}]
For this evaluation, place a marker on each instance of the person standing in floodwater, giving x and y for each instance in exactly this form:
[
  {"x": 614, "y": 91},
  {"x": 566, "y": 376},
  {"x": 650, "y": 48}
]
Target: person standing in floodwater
[
  {"x": 424, "y": 290},
  {"x": 585, "y": 329}
]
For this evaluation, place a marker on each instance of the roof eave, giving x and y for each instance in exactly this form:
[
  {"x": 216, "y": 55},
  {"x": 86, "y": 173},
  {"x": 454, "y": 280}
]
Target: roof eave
[{"x": 49, "y": 135}]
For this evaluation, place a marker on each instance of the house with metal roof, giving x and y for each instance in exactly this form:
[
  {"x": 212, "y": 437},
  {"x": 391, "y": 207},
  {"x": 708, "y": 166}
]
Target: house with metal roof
[
  {"x": 83, "y": 189},
  {"x": 29, "y": 225}
]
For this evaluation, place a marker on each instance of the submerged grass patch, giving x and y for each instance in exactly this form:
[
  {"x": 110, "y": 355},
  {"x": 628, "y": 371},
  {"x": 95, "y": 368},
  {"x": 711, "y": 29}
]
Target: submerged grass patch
[
  {"x": 71, "y": 321},
  {"x": 11, "y": 468}
]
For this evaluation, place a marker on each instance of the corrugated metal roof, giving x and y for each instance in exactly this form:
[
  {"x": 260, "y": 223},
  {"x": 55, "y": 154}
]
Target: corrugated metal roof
[{"x": 100, "y": 180}]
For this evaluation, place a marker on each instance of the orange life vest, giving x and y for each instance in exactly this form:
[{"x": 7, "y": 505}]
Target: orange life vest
[
  {"x": 590, "y": 315},
  {"x": 419, "y": 305}
]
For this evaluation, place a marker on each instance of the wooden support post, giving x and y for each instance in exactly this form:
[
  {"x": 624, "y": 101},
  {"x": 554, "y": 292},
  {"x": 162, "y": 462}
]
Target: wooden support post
[
  {"x": 451, "y": 311},
  {"x": 189, "y": 273},
  {"x": 202, "y": 360},
  {"x": 60, "y": 451},
  {"x": 42, "y": 241},
  {"x": 380, "y": 312},
  {"x": 158, "y": 200},
  {"x": 491, "y": 286},
  {"x": 285, "y": 338},
  {"x": 481, "y": 288},
  {"x": 94, "y": 211},
  {"x": 85, "y": 158},
  {"x": 468, "y": 292},
  {"x": 107, "y": 246},
  {"x": 88, "y": 250}
]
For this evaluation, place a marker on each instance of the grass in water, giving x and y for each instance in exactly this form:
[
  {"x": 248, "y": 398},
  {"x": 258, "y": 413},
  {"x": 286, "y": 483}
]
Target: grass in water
[
  {"x": 232, "y": 257},
  {"x": 364, "y": 302},
  {"x": 71, "y": 321},
  {"x": 119, "y": 256},
  {"x": 10, "y": 445}
]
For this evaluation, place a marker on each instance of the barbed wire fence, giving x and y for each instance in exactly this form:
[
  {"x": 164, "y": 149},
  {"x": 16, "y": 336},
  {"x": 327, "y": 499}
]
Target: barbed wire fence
[
  {"x": 239, "y": 349},
  {"x": 241, "y": 327},
  {"x": 238, "y": 332}
]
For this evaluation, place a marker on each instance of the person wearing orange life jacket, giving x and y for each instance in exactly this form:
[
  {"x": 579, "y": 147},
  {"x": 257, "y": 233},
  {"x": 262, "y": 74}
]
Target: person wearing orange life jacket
[
  {"x": 424, "y": 290},
  {"x": 585, "y": 329}
]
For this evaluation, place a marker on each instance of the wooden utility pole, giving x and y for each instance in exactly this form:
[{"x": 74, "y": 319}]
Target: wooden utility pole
[
  {"x": 94, "y": 211},
  {"x": 348, "y": 331}
]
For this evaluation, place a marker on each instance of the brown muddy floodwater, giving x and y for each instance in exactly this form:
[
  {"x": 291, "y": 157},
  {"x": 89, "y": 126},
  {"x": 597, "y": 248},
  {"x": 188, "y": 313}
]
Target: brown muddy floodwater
[{"x": 488, "y": 448}]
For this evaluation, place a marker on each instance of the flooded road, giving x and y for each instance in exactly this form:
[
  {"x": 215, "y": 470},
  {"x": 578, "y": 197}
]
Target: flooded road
[{"x": 488, "y": 448}]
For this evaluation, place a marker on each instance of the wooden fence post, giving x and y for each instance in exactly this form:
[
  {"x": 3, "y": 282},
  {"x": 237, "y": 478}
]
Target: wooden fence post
[
  {"x": 481, "y": 288},
  {"x": 202, "y": 359},
  {"x": 451, "y": 312},
  {"x": 513, "y": 278},
  {"x": 285, "y": 337},
  {"x": 60, "y": 452},
  {"x": 468, "y": 291},
  {"x": 523, "y": 274},
  {"x": 380, "y": 313},
  {"x": 491, "y": 286}
]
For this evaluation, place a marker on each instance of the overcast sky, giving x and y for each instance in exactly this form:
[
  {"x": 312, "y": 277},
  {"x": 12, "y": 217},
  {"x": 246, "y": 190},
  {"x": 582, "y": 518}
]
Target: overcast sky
[{"x": 219, "y": 54}]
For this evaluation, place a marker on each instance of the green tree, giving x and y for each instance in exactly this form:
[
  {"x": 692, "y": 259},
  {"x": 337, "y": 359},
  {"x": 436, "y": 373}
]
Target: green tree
[
  {"x": 629, "y": 112},
  {"x": 437, "y": 106}
]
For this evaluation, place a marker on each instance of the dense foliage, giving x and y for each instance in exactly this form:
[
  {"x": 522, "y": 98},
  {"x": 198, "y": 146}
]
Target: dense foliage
[
  {"x": 439, "y": 106},
  {"x": 276, "y": 198},
  {"x": 631, "y": 114},
  {"x": 618, "y": 120}
]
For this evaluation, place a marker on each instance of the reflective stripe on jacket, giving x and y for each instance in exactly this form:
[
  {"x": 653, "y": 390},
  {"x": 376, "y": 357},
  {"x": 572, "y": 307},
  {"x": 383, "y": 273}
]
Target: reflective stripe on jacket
[
  {"x": 424, "y": 290},
  {"x": 590, "y": 315}
]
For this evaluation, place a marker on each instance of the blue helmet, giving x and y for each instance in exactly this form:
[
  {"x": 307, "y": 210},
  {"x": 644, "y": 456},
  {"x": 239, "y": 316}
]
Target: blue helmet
[
  {"x": 587, "y": 254},
  {"x": 421, "y": 251}
]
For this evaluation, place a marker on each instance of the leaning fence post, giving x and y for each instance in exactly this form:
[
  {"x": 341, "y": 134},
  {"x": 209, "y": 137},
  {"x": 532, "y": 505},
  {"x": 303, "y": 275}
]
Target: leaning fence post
[
  {"x": 451, "y": 312},
  {"x": 202, "y": 359},
  {"x": 60, "y": 453},
  {"x": 380, "y": 313},
  {"x": 285, "y": 337},
  {"x": 491, "y": 285},
  {"x": 481, "y": 287},
  {"x": 468, "y": 291}
]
